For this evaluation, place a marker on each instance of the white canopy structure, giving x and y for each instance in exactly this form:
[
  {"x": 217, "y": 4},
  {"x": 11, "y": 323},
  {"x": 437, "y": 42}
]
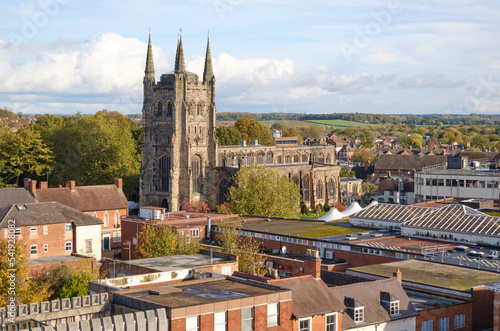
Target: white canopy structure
[
  {"x": 332, "y": 215},
  {"x": 373, "y": 203},
  {"x": 352, "y": 209}
]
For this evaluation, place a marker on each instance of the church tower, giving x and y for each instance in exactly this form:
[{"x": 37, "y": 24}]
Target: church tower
[{"x": 179, "y": 144}]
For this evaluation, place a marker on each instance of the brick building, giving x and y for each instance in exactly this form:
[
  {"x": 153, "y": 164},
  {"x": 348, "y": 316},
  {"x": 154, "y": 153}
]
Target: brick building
[
  {"x": 105, "y": 202},
  {"x": 51, "y": 229}
]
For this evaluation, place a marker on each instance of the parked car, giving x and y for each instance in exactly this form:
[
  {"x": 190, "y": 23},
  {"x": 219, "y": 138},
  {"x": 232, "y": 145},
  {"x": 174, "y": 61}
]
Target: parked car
[{"x": 475, "y": 254}]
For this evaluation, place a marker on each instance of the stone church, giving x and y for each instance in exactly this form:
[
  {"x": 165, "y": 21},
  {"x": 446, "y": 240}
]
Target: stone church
[{"x": 180, "y": 157}]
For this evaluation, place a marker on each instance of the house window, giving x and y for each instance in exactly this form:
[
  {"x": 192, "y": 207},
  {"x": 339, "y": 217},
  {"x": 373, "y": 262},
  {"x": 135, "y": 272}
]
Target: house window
[
  {"x": 195, "y": 233},
  {"x": 118, "y": 237},
  {"x": 117, "y": 219},
  {"x": 192, "y": 323},
  {"x": 33, "y": 249},
  {"x": 273, "y": 314},
  {"x": 67, "y": 228},
  {"x": 394, "y": 307},
  {"x": 45, "y": 230},
  {"x": 427, "y": 325},
  {"x": 444, "y": 324},
  {"x": 68, "y": 246},
  {"x": 305, "y": 324},
  {"x": 220, "y": 321},
  {"x": 459, "y": 321},
  {"x": 331, "y": 322},
  {"x": 88, "y": 245},
  {"x": 247, "y": 319},
  {"x": 105, "y": 219},
  {"x": 359, "y": 314},
  {"x": 45, "y": 248},
  {"x": 33, "y": 231}
]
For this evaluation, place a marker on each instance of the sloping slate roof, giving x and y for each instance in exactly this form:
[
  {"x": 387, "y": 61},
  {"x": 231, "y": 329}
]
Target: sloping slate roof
[
  {"x": 9, "y": 196},
  {"x": 479, "y": 155},
  {"x": 45, "y": 213},
  {"x": 334, "y": 278},
  {"x": 309, "y": 296},
  {"x": 408, "y": 162},
  {"x": 86, "y": 198},
  {"x": 393, "y": 185},
  {"x": 368, "y": 294}
]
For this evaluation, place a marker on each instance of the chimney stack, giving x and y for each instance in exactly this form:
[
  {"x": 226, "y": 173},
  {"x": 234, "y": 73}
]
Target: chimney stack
[
  {"x": 119, "y": 183},
  {"x": 399, "y": 275},
  {"x": 312, "y": 263},
  {"x": 32, "y": 186},
  {"x": 71, "y": 184},
  {"x": 27, "y": 183},
  {"x": 43, "y": 185}
]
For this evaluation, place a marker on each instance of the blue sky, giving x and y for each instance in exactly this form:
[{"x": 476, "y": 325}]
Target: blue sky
[{"x": 416, "y": 57}]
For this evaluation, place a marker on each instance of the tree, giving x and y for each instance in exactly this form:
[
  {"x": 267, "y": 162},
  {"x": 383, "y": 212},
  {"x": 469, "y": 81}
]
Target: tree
[
  {"x": 247, "y": 249},
  {"x": 369, "y": 190},
  {"x": 162, "y": 240},
  {"x": 70, "y": 281},
  {"x": 228, "y": 135},
  {"x": 414, "y": 140},
  {"x": 263, "y": 191},
  {"x": 363, "y": 155},
  {"x": 346, "y": 172},
  {"x": 366, "y": 138},
  {"x": 15, "y": 284},
  {"x": 23, "y": 153},
  {"x": 252, "y": 130}
]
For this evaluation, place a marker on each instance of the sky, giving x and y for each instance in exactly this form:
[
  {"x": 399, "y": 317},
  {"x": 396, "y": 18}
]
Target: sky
[{"x": 383, "y": 57}]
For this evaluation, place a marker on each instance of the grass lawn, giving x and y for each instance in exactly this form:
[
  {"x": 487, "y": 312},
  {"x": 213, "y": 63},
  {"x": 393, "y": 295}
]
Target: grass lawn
[
  {"x": 339, "y": 123},
  {"x": 288, "y": 123},
  {"x": 305, "y": 229}
]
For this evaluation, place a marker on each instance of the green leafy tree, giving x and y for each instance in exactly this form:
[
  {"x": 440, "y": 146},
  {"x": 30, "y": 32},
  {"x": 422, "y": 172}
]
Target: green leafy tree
[
  {"x": 363, "y": 155},
  {"x": 23, "y": 153},
  {"x": 228, "y": 135},
  {"x": 346, "y": 172},
  {"x": 366, "y": 139},
  {"x": 414, "y": 140},
  {"x": 252, "y": 130},
  {"x": 263, "y": 191},
  {"x": 70, "y": 281},
  {"x": 162, "y": 240},
  {"x": 369, "y": 190},
  {"x": 247, "y": 249},
  {"x": 25, "y": 290}
]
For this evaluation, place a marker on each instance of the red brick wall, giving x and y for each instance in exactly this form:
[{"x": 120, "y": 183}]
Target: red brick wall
[
  {"x": 450, "y": 311},
  {"x": 234, "y": 320},
  {"x": 44, "y": 268},
  {"x": 55, "y": 238},
  {"x": 293, "y": 266},
  {"x": 482, "y": 308},
  {"x": 110, "y": 229}
]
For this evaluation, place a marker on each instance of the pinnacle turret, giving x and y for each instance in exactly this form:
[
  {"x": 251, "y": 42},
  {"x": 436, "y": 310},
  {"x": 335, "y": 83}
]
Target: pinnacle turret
[
  {"x": 208, "y": 72},
  {"x": 179, "y": 59},
  {"x": 150, "y": 67}
]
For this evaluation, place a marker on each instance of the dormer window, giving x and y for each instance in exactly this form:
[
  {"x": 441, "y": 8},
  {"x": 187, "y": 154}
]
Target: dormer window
[
  {"x": 394, "y": 307},
  {"x": 359, "y": 314},
  {"x": 390, "y": 303}
]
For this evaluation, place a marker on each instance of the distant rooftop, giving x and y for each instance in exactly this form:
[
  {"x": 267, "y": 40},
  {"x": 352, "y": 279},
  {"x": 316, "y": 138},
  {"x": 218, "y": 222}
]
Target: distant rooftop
[{"x": 175, "y": 262}]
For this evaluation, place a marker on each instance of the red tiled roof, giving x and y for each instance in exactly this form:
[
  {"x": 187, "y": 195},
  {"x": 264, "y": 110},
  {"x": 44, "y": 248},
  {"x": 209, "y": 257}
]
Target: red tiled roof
[{"x": 86, "y": 198}]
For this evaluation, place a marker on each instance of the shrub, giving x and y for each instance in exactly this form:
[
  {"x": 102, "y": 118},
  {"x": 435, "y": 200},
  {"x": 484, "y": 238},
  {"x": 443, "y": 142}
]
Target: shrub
[
  {"x": 326, "y": 207},
  {"x": 304, "y": 209}
]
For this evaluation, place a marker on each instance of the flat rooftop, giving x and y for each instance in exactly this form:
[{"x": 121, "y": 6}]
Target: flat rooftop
[
  {"x": 434, "y": 274},
  {"x": 175, "y": 262},
  {"x": 54, "y": 259},
  {"x": 191, "y": 293},
  {"x": 305, "y": 229}
]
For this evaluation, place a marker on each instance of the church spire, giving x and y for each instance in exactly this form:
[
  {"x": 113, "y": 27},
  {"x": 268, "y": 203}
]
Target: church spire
[
  {"x": 179, "y": 58},
  {"x": 150, "y": 67},
  {"x": 208, "y": 72}
]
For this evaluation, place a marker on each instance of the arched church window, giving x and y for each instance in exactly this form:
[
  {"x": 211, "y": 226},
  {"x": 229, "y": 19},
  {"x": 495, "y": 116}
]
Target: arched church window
[
  {"x": 332, "y": 189},
  {"x": 304, "y": 157},
  {"x": 224, "y": 191},
  {"x": 170, "y": 109},
  {"x": 305, "y": 189},
  {"x": 164, "y": 168},
  {"x": 159, "y": 107},
  {"x": 296, "y": 158},
  {"x": 328, "y": 158},
  {"x": 269, "y": 158},
  {"x": 196, "y": 173},
  {"x": 319, "y": 190},
  {"x": 200, "y": 109},
  {"x": 288, "y": 159}
]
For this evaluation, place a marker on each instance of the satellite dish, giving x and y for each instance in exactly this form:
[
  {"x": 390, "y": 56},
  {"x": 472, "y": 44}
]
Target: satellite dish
[{"x": 283, "y": 250}]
